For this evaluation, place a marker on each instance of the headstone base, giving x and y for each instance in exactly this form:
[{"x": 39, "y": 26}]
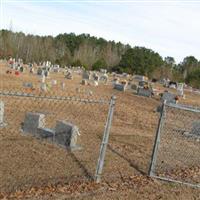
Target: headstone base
[{"x": 75, "y": 148}]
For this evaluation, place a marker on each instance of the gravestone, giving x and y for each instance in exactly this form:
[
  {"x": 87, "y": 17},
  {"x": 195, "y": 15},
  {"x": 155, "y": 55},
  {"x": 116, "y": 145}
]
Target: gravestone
[
  {"x": 43, "y": 87},
  {"x": 168, "y": 97},
  {"x": 195, "y": 128},
  {"x": 144, "y": 92},
  {"x": 31, "y": 70},
  {"x": 119, "y": 86},
  {"x": 134, "y": 86},
  {"x": 21, "y": 69},
  {"x": 86, "y": 75},
  {"x": 46, "y": 73},
  {"x": 43, "y": 78},
  {"x": 39, "y": 71},
  {"x": 2, "y": 114},
  {"x": 28, "y": 85},
  {"x": 69, "y": 76},
  {"x": 96, "y": 77},
  {"x": 104, "y": 77},
  {"x": 180, "y": 89},
  {"x": 104, "y": 71},
  {"x": 32, "y": 122},
  {"x": 84, "y": 82},
  {"x": 66, "y": 134}
]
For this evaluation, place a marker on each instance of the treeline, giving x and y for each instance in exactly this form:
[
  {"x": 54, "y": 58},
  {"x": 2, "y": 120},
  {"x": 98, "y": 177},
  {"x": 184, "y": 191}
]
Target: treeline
[
  {"x": 94, "y": 53},
  {"x": 64, "y": 49},
  {"x": 139, "y": 60}
]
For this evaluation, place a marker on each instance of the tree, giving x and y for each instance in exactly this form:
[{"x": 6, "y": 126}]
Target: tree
[
  {"x": 194, "y": 78},
  {"x": 77, "y": 63},
  {"x": 169, "y": 61},
  {"x": 99, "y": 64},
  {"x": 166, "y": 70},
  {"x": 189, "y": 64},
  {"x": 63, "y": 49},
  {"x": 140, "y": 60}
]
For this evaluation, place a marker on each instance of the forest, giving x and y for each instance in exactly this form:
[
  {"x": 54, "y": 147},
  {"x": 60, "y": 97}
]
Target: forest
[{"x": 95, "y": 53}]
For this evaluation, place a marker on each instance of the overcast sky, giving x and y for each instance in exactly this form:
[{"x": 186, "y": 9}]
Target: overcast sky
[{"x": 168, "y": 27}]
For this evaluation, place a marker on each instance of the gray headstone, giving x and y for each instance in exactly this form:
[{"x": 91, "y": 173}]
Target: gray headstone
[
  {"x": 120, "y": 87},
  {"x": 195, "y": 128},
  {"x": 28, "y": 85},
  {"x": 168, "y": 97},
  {"x": 46, "y": 73},
  {"x": 86, "y": 75},
  {"x": 69, "y": 76},
  {"x": 144, "y": 92},
  {"x": 39, "y": 71},
  {"x": 21, "y": 69},
  {"x": 96, "y": 77},
  {"x": 66, "y": 134},
  {"x": 32, "y": 122}
]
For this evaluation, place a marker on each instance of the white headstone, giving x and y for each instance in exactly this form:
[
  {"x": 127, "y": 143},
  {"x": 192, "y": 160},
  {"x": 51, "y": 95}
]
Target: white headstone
[
  {"x": 1, "y": 113},
  {"x": 180, "y": 89},
  {"x": 43, "y": 78},
  {"x": 43, "y": 87}
]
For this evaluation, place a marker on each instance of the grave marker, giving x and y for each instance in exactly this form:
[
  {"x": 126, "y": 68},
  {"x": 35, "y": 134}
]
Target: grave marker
[
  {"x": 144, "y": 92},
  {"x": 86, "y": 75},
  {"x": 120, "y": 87},
  {"x": 168, "y": 97},
  {"x": 32, "y": 122},
  {"x": 195, "y": 128},
  {"x": 66, "y": 134},
  {"x": 180, "y": 89},
  {"x": 2, "y": 114}
]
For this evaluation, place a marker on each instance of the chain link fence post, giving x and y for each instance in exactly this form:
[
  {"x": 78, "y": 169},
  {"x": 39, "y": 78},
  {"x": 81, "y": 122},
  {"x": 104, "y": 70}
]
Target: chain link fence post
[
  {"x": 157, "y": 141},
  {"x": 104, "y": 143}
]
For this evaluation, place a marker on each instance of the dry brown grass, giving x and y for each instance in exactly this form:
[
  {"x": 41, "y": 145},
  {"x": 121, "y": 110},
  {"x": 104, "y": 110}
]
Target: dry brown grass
[{"x": 27, "y": 162}]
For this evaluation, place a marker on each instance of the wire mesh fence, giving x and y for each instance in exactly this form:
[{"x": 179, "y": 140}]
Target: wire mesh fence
[
  {"x": 176, "y": 155},
  {"x": 36, "y": 130}
]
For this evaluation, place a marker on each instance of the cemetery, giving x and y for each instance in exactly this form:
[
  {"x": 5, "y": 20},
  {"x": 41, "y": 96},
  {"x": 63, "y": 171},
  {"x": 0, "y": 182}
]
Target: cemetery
[{"x": 52, "y": 125}]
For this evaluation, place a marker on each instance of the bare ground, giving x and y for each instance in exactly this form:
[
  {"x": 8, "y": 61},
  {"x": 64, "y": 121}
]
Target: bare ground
[{"x": 34, "y": 169}]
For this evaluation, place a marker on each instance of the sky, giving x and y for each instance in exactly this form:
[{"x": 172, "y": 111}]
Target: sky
[{"x": 169, "y": 27}]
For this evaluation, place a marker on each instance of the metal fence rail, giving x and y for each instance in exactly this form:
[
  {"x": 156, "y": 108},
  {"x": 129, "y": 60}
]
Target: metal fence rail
[
  {"x": 29, "y": 160},
  {"x": 176, "y": 152}
]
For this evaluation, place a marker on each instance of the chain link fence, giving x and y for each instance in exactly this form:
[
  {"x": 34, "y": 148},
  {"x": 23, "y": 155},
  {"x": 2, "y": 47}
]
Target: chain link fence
[
  {"x": 176, "y": 154},
  {"x": 37, "y": 128}
]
